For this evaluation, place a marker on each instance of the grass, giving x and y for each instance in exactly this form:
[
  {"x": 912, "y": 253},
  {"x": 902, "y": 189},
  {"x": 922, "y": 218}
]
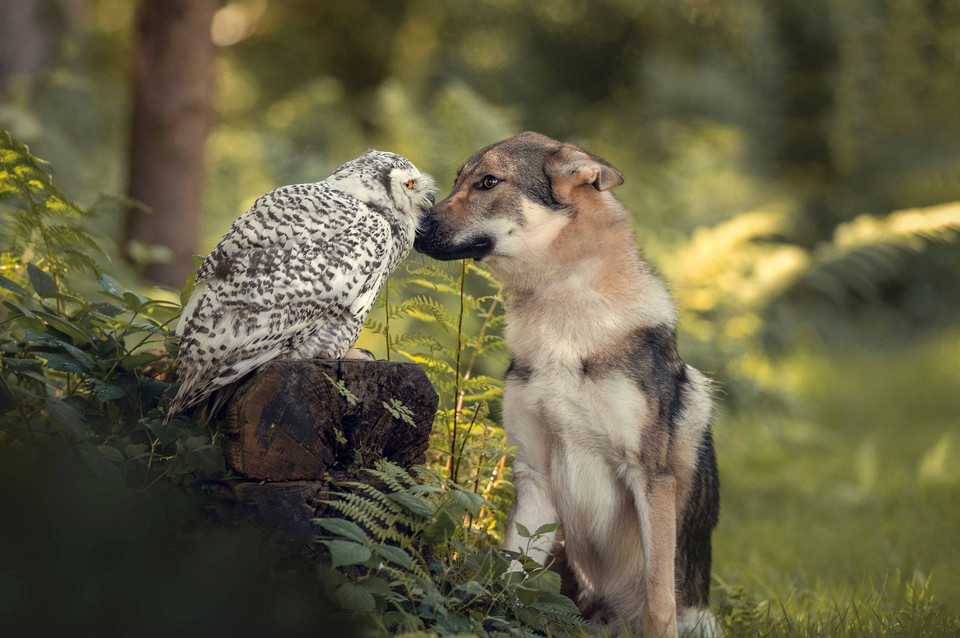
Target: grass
[{"x": 842, "y": 518}]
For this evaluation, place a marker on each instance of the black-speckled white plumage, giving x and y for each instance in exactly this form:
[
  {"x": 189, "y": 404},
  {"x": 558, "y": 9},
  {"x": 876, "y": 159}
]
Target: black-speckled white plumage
[{"x": 298, "y": 273}]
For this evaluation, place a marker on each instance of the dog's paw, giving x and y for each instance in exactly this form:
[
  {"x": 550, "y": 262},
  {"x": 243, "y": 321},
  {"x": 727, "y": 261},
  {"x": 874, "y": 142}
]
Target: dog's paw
[{"x": 698, "y": 622}]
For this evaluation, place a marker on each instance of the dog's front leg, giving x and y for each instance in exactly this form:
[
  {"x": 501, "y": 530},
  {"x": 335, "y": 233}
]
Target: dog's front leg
[
  {"x": 656, "y": 502},
  {"x": 532, "y": 507}
]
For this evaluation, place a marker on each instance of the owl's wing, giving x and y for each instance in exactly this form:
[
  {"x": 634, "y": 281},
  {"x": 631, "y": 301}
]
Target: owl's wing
[
  {"x": 267, "y": 288},
  {"x": 302, "y": 213}
]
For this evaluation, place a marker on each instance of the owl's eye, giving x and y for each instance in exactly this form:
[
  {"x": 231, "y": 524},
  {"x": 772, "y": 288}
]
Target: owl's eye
[
  {"x": 410, "y": 184},
  {"x": 488, "y": 182}
]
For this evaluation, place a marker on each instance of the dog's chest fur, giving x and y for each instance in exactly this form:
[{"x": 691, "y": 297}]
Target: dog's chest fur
[{"x": 594, "y": 390}]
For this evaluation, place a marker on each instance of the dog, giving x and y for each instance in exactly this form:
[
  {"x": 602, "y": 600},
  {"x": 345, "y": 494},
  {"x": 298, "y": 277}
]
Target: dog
[{"x": 611, "y": 428}]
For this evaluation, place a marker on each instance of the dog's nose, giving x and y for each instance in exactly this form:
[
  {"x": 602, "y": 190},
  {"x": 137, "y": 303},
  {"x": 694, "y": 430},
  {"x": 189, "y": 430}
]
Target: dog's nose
[{"x": 431, "y": 199}]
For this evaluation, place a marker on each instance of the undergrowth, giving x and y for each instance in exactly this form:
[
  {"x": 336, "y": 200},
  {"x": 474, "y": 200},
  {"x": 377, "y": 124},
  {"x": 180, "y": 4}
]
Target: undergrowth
[
  {"x": 83, "y": 358},
  {"x": 454, "y": 335},
  {"x": 402, "y": 557}
]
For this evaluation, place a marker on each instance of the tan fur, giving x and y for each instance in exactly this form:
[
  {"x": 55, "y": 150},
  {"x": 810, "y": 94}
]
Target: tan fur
[{"x": 592, "y": 451}]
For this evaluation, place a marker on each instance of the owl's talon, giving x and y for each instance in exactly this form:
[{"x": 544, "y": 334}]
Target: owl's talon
[{"x": 359, "y": 354}]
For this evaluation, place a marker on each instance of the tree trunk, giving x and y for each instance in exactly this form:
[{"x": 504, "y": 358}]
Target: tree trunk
[
  {"x": 173, "y": 92},
  {"x": 26, "y": 46}
]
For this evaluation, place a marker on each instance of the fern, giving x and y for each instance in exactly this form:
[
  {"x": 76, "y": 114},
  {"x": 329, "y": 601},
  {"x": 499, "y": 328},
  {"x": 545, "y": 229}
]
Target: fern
[
  {"x": 380, "y": 549},
  {"x": 41, "y": 224},
  {"x": 455, "y": 335},
  {"x": 871, "y": 250}
]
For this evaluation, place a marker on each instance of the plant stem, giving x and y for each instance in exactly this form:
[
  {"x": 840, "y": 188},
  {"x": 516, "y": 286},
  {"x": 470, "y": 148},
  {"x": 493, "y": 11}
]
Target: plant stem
[
  {"x": 473, "y": 357},
  {"x": 456, "y": 386},
  {"x": 386, "y": 312},
  {"x": 463, "y": 443}
]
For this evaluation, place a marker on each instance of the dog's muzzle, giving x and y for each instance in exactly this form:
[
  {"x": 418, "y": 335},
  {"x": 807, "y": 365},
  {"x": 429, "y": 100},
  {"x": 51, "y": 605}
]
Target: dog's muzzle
[{"x": 431, "y": 241}]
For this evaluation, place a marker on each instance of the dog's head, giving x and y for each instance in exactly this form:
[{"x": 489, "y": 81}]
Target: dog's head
[{"x": 511, "y": 200}]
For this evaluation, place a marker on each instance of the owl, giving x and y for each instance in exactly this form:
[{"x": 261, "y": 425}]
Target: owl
[{"x": 298, "y": 273}]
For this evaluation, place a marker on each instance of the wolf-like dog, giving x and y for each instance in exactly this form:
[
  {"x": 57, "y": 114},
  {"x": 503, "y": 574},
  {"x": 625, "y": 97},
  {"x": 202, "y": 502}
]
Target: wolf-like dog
[{"x": 611, "y": 428}]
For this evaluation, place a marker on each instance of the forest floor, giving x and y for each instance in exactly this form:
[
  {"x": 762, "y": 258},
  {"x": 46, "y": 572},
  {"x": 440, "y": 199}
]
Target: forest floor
[{"x": 842, "y": 516}]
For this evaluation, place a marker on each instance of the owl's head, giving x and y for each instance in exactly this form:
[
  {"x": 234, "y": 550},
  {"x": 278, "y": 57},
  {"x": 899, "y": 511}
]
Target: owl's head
[{"x": 386, "y": 180}]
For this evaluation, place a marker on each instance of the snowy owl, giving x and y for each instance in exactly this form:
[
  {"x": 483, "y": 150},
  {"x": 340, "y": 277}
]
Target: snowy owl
[{"x": 297, "y": 274}]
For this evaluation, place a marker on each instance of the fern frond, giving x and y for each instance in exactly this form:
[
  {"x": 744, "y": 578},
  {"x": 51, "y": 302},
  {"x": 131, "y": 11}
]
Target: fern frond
[
  {"x": 39, "y": 220},
  {"x": 395, "y": 476},
  {"x": 427, "y": 275},
  {"x": 368, "y": 515},
  {"x": 872, "y": 250}
]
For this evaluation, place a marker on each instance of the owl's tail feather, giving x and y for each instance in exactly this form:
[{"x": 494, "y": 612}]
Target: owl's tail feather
[
  {"x": 196, "y": 384},
  {"x": 186, "y": 397},
  {"x": 219, "y": 378}
]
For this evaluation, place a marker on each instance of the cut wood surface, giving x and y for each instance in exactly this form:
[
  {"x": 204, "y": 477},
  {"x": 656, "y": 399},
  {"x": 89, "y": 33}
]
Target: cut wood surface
[{"x": 303, "y": 419}]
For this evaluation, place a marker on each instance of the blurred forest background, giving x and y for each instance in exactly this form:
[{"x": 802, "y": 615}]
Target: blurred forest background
[{"x": 793, "y": 168}]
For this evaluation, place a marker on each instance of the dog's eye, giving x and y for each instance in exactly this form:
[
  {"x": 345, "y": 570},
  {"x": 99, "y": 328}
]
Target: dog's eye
[
  {"x": 410, "y": 184},
  {"x": 488, "y": 182}
]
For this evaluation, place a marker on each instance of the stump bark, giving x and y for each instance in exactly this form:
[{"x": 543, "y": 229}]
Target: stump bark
[
  {"x": 298, "y": 426},
  {"x": 300, "y": 419}
]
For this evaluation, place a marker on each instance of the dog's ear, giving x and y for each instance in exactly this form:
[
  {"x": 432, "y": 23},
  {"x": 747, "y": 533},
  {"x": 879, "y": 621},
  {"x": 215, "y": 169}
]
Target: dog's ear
[{"x": 570, "y": 167}]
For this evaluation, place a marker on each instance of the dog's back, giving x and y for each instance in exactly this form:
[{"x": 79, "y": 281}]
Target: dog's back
[{"x": 611, "y": 427}]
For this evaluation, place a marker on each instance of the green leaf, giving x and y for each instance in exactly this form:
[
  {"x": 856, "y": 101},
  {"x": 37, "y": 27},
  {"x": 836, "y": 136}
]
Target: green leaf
[
  {"x": 67, "y": 416},
  {"x": 544, "y": 580},
  {"x": 376, "y": 586},
  {"x": 467, "y": 501},
  {"x": 69, "y": 297},
  {"x": 135, "y": 449},
  {"x": 111, "y": 285},
  {"x": 347, "y": 552},
  {"x": 442, "y": 528},
  {"x": 425, "y": 489},
  {"x": 22, "y": 392},
  {"x": 12, "y": 286},
  {"x": 187, "y": 291},
  {"x": 111, "y": 453},
  {"x": 512, "y": 579},
  {"x": 341, "y": 527},
  {"x": 165, "y": 433},
  {"x": 412, "y": 503},
  {"x": 194, "y": 442},
  {"x": 133, "y": 361},
  {"x": 107, "y": 309},
  {"x": 20, "y": 364},
  {"x": 393, "y": 554},
  {"x": 65, "y": 327},
  {"x": 557, "y": 604},
  {"x": 523, "y": 531},
  {"x": 63, "y": 364},
  {"x": 527, "y": 596},
  {"x": 133, "y": 300},
  {"x": 41, "y": 281},
  {"x": 529, "y": 617},
  {"x": 18, "y": 309},
  {"x": 355, "y": 598},
  {"x": 546, "y": 529},
  {"x": 107, "y": 391},
  {"x": 79, "y": 355}
]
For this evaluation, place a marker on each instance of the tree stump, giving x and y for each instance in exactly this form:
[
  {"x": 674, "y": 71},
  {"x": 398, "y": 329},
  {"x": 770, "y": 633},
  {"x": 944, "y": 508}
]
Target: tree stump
[
  {"x": 299, "y": 425},
  {"x": 300, "y": 419}
]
